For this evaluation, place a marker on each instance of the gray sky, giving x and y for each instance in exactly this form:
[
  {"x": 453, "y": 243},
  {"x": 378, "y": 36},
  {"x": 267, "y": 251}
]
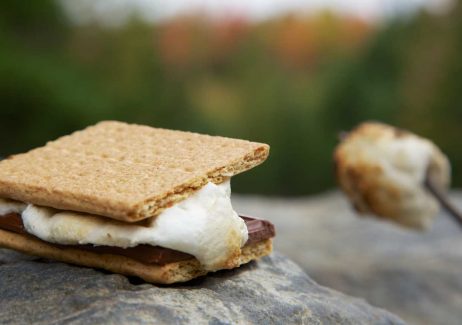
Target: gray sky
[{"x": 115, "y": 12}]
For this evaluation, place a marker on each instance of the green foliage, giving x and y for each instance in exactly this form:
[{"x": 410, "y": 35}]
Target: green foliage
[{"x": 291, "y": 82}]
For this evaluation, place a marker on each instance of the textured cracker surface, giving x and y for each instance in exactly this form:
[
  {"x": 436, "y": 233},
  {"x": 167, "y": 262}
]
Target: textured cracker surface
[
  {"x": 124, "y": 171},
  {"x": 169, "y": 273}
]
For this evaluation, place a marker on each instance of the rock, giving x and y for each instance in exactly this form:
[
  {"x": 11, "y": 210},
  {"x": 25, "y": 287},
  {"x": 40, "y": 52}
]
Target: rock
[
  {"x": 272, "y": 291},
  {"x": 415, "y": 275}
]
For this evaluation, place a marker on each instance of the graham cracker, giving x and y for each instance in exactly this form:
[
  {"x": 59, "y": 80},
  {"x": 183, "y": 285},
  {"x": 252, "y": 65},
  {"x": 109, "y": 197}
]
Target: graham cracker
[
  {"x": 124, "y": 171},
  {"x": 164, "y": 274}
]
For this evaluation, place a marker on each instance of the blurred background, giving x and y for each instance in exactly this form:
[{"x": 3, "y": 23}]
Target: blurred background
[{"x": 289, "y": 73}]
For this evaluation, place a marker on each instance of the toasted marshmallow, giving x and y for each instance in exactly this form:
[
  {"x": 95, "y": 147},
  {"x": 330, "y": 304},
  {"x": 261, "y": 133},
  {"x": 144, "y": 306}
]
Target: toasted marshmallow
[
  {"x": 383, "y": 170},
  {"x": 203, "y": 225}
]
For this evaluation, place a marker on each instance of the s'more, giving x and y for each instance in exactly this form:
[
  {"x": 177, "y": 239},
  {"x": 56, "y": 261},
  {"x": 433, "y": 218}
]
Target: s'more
[{"x": 135, "y": 200}]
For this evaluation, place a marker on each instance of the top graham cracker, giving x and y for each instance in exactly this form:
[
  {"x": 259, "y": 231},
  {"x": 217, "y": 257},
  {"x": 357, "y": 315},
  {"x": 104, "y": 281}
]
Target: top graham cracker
[{"x": 124, "y": 171}]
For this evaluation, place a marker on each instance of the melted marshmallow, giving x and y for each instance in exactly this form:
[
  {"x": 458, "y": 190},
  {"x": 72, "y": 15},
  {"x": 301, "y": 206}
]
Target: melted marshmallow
[
  {"x": 203, "y": 225},
  {"x": 10, "y": 206}
]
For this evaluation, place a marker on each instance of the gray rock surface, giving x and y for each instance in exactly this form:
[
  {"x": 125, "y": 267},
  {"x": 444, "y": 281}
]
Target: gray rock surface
[
  {"x": 273, "y": 291},
  {"x": 416, "y": 275}
]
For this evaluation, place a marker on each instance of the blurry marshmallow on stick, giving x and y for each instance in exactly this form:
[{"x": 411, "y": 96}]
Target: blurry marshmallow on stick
[{"x": 394, "y": 174}]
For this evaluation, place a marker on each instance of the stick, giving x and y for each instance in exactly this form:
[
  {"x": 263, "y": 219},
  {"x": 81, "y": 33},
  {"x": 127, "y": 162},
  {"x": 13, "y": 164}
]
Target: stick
[{"x": 444, "y": 200}]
